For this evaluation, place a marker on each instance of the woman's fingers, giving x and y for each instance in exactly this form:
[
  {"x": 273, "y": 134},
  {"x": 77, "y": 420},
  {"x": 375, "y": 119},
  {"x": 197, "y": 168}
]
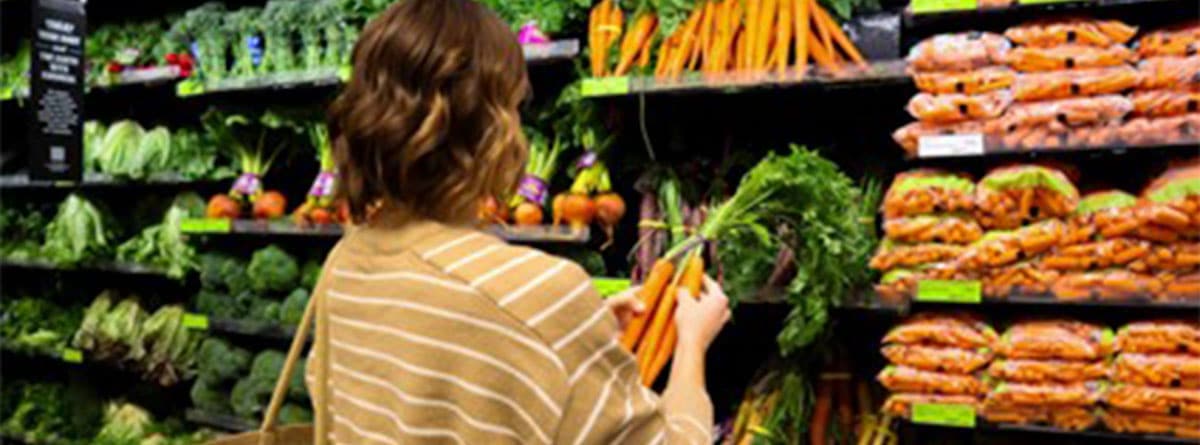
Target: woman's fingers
[{"x": 626, "y": 305}]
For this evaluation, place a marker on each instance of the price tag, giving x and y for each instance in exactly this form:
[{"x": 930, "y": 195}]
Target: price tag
[
  {"x": 944, "y": 414},
  {"x": 928, "y": 6},
  {"x": 605, "y": 86},
  {"x": 205, "y": 225},
  {"x": 71, "y": 355},
  {"x": 189, "y": 87},
  {"x": 198, "y": 322},
  {"x": 950, "y": 291},
  {"x": 950, "y": 145},
  {"x": 610, "y": 286}
]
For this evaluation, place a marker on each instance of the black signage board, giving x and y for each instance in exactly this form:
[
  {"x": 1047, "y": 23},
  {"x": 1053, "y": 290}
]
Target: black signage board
[{"x": 56, "y": 78}]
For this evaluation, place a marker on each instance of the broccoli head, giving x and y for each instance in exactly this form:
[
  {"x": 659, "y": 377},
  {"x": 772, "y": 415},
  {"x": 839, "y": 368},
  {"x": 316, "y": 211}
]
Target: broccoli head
[
  {"x": 292, "y": 413},
  {"x": 267, "y": 365},
  {"x": 292, "y": 309},
  {"x": 223, "y": 273},
  {"x": 219, "y": 362},
  {"x": 272, "y": 270},
  {"x": 210, "y": 397},
  {"x": 310, "y": 274},
  {"x": 216, "y": 304},
  {"x": 250, "y": 395},
  {"x": 297, "y": 390}
]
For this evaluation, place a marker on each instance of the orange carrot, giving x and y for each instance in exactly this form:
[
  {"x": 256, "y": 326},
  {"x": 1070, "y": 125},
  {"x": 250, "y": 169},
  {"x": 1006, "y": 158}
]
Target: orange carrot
[
  {"x": 641, "y": 31},
  {"x": 765, "y": 20},
  {"x": 692, "y": 279},
  {"x": 802, "y": 34},
  {"x": 655, "y": 334},
  {"x": 665, "y": 49},
  {"x": 820, "y": 418},
  {"x": 740, "y": 54},
  {"x": 706, "y": 30},
  {"x": 819, "y": 54},
  {"x": 840, "y": 37},
  {"x": 644, "y": 52},
  {"x": 596, "y": 18},
  {"x": 783, "y": 36},
  {"x": 686, "y": 34},
  {"x": 651, "y": 293},
  {"x": 752, "y": 13},
  {"x": 698, "y": 37},
  {"x": 823, "y": 30},
  {"x": 611, "y": 30}
]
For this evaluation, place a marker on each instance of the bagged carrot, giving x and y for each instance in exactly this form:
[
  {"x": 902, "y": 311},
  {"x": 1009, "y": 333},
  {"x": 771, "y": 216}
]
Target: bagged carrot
[
  {"x": 909, "y": 136},
  {"x": 1070, "y": 112},
  {"x": 1009, "y": 197},
  {"x": 1181, "y": 288},
  {"x": 1181, "y": 73},
  {"x": 1182, "y": 40},
  {"x": 1051, "y": 33},
  {"x": 1071, "y": 418},
  {"x": 1055, "y": 339},
  {"x": 952, "y": 229},
  {"x": 955, "y": 107},
  {"x": 1031, "y": 59},
  {"x": 953, "y": 330},
  {"x": 901, "y": 404},
  {"x": 1147, "y": 399},
  {"x": 1163, "y": 370},
  {"x": 1161, "y": 103},
  {"x": 924, "y": 191},
  {"x": 1001, "y": 248},
  {"x": 892, "y": 255},
  {"x": 1159, "y": 336},
  {"x": 983, "y": 80},
  {"x": 1049, "y": 85},
  {"x": 1060, "y": 395},
  {"x": 1161, "y": 130},
  {"x": 1106, "y": 215},
  {"x": 1026, "y": 278},
  {"x": 906, "y": 379},
  {"x": 958, "y": 52},
  {"x": 1123, "y": 421},
  {"x": 1096, "y": 254},
  {"x": 1047, "y": 371},
  {"x": 937, "y": 358}
]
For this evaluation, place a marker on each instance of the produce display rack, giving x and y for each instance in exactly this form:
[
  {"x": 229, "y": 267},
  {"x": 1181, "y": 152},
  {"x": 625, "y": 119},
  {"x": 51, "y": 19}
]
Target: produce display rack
[
  {"x": 123, "y": 269},
  {"x": 97, "y": 180},
  {"x": 1134, "y": 307},
  {"x": 1116, "y": 150},
  {"x": 518, "y": 234},
  {"x": 221, "y": 422},
  {"x": 876, "y": 74},
  {"x": 916, "y": 26},
  {"x": 150, "y": 77},
  {"x": 263, "y": 330}
]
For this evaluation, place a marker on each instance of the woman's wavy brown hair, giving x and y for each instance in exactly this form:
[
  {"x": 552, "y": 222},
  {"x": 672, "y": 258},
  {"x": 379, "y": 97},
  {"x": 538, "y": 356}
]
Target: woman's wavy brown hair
[{"x": 429, "y": 123}]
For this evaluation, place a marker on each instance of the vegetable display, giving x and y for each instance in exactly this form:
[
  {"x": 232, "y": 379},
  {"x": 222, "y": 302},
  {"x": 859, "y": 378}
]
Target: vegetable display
[
  {"x": 157, "y": 345},
  {"x": 233, "y": 381},
  {"x": 78, "y": 233}
]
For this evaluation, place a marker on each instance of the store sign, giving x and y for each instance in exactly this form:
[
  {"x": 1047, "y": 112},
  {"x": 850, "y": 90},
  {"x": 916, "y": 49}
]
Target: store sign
[
  {"x": 928, "y": 6},
  {"x": 950, "y": 145},
  {"x": 605, "y": 86},
  {"x": 56, "y": 84},
  {"x": 944, "y": 414},
  {"x": 950, "y": 291}
]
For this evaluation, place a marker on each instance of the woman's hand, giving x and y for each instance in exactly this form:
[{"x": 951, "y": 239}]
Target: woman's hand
[
  {"x": 626, "y": 305},
  {"x": 699, "y": 320}
]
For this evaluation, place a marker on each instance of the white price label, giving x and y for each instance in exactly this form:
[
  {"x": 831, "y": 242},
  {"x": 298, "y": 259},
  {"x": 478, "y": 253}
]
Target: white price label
[{"x": 950, "y": 145}]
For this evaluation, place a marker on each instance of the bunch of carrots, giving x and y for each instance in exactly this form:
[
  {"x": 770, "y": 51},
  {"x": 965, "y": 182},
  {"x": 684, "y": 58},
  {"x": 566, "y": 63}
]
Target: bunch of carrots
[
  {"x": 721, "y": 36},
  {"x": 652, "y": 337}
]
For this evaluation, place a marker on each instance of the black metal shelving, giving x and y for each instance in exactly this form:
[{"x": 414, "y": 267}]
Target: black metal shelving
[
  {"x": 105, "y": 267},
  {"x": 1039, "y": 434},
  {"x": 268, "y": 331},
  {"x": 99, "y": 181},
  {"x": 222, "y": 422},
  {"x": 542, "y": 234}
]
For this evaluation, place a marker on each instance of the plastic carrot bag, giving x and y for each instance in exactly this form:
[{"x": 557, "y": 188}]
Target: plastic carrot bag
[
  {"x": 1073, "y": 418},
  {"x": 909, "y": 136},
  {"x": 1096, "y": 254},
  {"x": 1074, "y": 83},
  {"x": 1181, "y": 287},
  {"x": 924, "y": 191},
  {"x": 956, "y": 107},
  {"x": 958, "y": 52},
  {"x": 1173, "y": 200},
  {"x": 1159, "y": 336},
  {"x": 907, "y": 379},
  {"x": 983, "y": 80},
  {"x": 901, "y": 404},
  {"x": 1160, "y": 130},
  {"x": 1182, "y": 40},
  {"x": 1106, "y": 214},
  {"x": 953, "y": 330},
  {"x": 1179, "y": 257},
  {"x": 953, "y": 229},
  {"x": 1025, "y": 278},
  {"x": 999, "y": 248},
  {"x": 1047, "y": 371},
  {"x": 1163, "y": 370},
  {"x": 1147, "y": 399},
  {"x": 891, "y": 255},
  {"x": 938, "y": 358},
  {"x": 897, "y": 285},
  {"x": 1070, "y": 112},
  {"x": 1122, "y": 421},
  {"x": 1055, "y": 339},
  {"x": 1056, "y": 394},
  {"x": 1050, "y": 33},
  {"x": 1011, "y": 196},
  {"x": 1160, "y": 103},
  {"x": 1112, "y": 284},
  {"x": 1179, "y": 73},
  {"x": 1065, "y": 57}
]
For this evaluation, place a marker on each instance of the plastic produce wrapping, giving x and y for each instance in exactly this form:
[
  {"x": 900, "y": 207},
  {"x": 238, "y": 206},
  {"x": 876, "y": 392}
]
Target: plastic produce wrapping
[
  {"x": 897, "y": 285},
  {"x": 938, "y": 359},
  {"x": 1174, "y": 200},
  {"x": 1162, "y": 370},
  {"x": 956, "y": 107},
  {"x": 1065, "y": 57},
  {"x": 1047, "y": 371},
  {"x": 1181, "y": 256},
  {"x": 1147, "y": 399},
  {"x": 1109, "y": 285},
  {"x": 1070, "y": 112},
  {"x": 1181, "y": 287},
  {"x": 924, "y": 191},
  {"x": 1064, "y": 394},
  {"x": 1002, "y": 248},
  {"x": 1107, "y": 214},
  {"x": 892, "y": 255},
  {"x": 906, "y": 379},
  {"x": 1161, "y": 130},
  {"x": 909, "y": 136},
  {"x": 1161, "y": 103},
  {"x": 1183, "y": 40},
  {"x": 978, "y": 81},
  {"x": 1055, "y": 339},
  {"x": 953, "y": 330},
  {"x": 1074, "y": 83},
  {"x": 1096, "y": 254},
  {"x": 1009, "y": 197},
  {"x": 1133, "y": 422},
  {"x": 959, "y": 52},
  {"x": 1073, "y": 418},
  {"x": 1044, "y": 34},
  {"x": 951, "y": 229},
  {"x": 1025, "y": 278},
  {"x": 1051, "y": 135},
  {"x": 901, "y": 404},
  {"x": 1159, "y": 337},
  {"x": 1180, "y": 73}
]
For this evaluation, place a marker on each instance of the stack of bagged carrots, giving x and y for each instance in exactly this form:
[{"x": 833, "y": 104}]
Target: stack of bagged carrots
[
  {"x": 720, "y": 36},
  {"x": 652, "y": 337}
]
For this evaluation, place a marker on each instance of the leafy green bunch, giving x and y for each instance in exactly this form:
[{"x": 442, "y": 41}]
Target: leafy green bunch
[
  {"x": 278, "y": 25},
  {"x": 162, "y": 245},
  {"x": 21, "y": 231},
  {"x": 37, "y": 325},
  {"x": 551, "y": 16},
  {"x": 244, "y": 24},
  {"x": 79, "y": 232},
  {"x": 201, "y": 26}
]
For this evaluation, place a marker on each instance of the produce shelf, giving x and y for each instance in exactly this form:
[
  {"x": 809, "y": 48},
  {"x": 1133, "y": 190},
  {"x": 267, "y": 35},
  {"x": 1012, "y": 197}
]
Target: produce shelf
[
  {"x": 879, "y": 73},
  {"x": 109, "y": 267},
  {"x": 219, "y": 421},
  {"x": 127, "y": 79},
  {"x": 96, "y": 180},
  {"x": 1050, "y": 433},
  {"x": 250, "y": 329},
  {"x": 970, "y": 18},
  {"x": 975, "y": 146},
  {"x": 1030, "y": 304},
  {"x": 284, "y": 227}
]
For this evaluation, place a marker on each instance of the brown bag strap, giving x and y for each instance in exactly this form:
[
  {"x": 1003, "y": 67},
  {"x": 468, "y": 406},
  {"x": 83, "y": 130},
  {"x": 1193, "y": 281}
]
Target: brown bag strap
[{"x": 271, "y": 417}]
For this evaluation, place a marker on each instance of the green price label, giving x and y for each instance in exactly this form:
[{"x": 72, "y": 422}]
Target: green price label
[
  {"x": 605, "y": 86},
  {"x": 71, "y": 355},
  {"x": 610, "y": 286},
  {"x": 944, "y": 414},
  {"x": 189, "y": 87},
  {"x": 950, "y": 291},
  {"x": 6, "y": 92},
  {"x": 205, "y": 225},
  {"x": 198, "y": 322},
  {"x": 928, "y": 6}
]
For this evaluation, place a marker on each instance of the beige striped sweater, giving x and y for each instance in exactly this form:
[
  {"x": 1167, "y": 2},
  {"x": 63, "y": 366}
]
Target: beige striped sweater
[{"x": 449, "y": 335}]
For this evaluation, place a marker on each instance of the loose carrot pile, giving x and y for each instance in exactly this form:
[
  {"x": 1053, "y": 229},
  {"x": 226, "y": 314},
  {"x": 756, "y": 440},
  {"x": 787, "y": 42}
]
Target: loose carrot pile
[
  {"x": 652, "y": 337},
  {"x": 722, "y": 36}
]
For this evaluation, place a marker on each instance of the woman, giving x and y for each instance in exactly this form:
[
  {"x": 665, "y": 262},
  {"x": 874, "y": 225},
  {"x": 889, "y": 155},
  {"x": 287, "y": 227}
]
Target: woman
[{"x": 437, "y": 332}]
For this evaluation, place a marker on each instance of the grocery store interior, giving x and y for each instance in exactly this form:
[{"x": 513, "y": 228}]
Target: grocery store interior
[{"x": 935, "y": 221}]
